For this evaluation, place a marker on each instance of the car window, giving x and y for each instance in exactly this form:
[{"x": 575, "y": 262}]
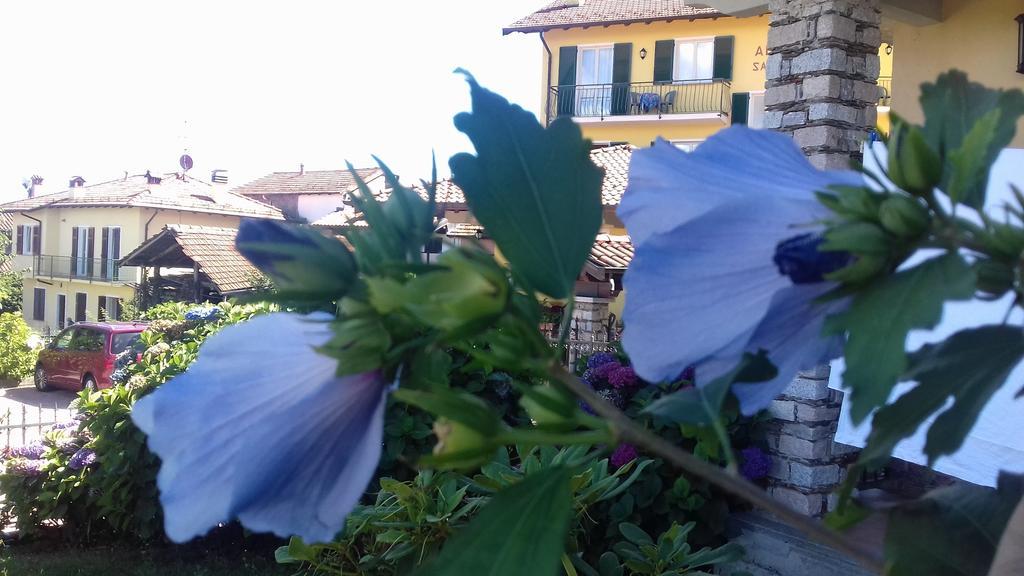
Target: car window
[
  {"x": 88, "y": 340},
  {"x": 123, "y": 341},
  {"x": 61, "y": 341}
]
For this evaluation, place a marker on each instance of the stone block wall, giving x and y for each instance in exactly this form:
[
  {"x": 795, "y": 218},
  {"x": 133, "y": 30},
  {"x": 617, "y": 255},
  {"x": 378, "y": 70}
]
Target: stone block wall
[
  {"x": 821, "y": 72},
  {"x": 590, "y": 319}
]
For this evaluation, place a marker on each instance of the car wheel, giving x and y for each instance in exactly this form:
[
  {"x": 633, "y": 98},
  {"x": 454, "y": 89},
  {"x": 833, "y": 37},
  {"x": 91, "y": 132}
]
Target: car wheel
[
  {"x": 89, "y": 383},
  {"x": 40, "y": 380}
]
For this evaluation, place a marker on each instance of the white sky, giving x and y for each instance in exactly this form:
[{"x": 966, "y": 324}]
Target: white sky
[{"x": 97, "y": 88}]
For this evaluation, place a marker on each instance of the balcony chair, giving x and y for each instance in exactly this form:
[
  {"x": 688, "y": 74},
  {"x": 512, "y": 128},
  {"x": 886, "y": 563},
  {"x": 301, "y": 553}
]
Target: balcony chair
[{"x": 668, "y": 103}]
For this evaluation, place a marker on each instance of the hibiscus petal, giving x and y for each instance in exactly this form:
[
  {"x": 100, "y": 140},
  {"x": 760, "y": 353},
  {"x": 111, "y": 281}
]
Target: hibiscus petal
[
  {"x": 667, "y": 187},
  {"x": 260, "y": 428},
  {"x": 699, "y": 291},
  {"x": 791, "y": 332}
]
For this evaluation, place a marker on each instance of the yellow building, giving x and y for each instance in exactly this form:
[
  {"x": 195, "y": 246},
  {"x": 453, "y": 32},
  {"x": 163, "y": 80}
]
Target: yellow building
[
  {"x": 629, "y": 72},
  {"x": 68, "y": 243}
]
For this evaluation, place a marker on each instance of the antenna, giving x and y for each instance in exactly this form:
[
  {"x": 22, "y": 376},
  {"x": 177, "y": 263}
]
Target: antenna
[{"x": 185, "y": 161}]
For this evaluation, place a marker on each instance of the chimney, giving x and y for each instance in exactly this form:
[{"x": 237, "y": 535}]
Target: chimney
[
  {"x": 76, "y": 182},
  {"x": 33, "y": 187},
  {"x": 302, "y": 169},
  {"x": 219, "y": 176}
]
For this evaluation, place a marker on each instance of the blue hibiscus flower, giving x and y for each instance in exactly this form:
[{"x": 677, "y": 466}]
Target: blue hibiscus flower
[
  {"x": 726, "y": 260},
  {"x": 262, "y": 429}
]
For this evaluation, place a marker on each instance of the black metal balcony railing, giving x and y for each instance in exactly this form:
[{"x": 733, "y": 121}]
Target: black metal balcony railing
[
  {"x": 884, "y": 90},
  {"x": 640, "y": 99},
  {"x": 89, "y": 269}
]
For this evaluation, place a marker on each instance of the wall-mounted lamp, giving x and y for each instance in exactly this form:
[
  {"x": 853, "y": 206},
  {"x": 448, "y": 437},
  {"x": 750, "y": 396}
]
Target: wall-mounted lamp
[
  {"x": 1020, "y": 44},
  {"x": 643, "y": 53},
  {"x": 888, "y": 49}
]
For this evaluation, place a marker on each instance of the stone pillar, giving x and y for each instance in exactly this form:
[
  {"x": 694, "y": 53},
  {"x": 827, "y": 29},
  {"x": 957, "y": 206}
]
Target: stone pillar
[
  {"x": 590, "y": 319},
  {"x": 821, "y": 73}
]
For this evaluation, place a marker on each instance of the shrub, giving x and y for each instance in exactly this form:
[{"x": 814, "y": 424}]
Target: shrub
[{"x": 17, "y": 359}]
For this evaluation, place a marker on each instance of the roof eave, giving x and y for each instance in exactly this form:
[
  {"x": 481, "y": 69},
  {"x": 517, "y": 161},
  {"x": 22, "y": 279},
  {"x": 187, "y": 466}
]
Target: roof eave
[{"x": 605, "y": 23}]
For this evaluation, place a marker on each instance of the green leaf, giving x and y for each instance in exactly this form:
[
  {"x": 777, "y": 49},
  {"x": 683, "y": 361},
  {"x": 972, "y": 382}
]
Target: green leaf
[
  {"x": 880, "y": 317},
  {"x": 952, "y": 531},
  {"x": 969, "y": 366},
  {"x": 702, "y": 405},
  {"x": 635, "y": 534},
  {"x": 534, "y": 189},
  {"x": 952, "y": 106},
  {"x": 521, "y": 532},
  {"x": 969, "y": 164}
]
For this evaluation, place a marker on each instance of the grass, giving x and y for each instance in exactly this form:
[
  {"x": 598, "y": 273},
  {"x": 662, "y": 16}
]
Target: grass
[{"x": 53, "y": 560}]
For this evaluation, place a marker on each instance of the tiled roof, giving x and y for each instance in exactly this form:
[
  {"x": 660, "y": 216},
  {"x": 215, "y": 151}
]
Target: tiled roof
[
  {"x": 6, "y": 229},
  {"x": 447, "y": 192},
  {"x": 615, "y": 161},
  {"x": 464, "y": 230},
  {"x": 176, "y": 192},
  {"x": 581, "y": 13},
  {"x": 211, "y": 247},
  {"x": 308, "y": 182},
  {"x": 611, "y": 252},
  {"x": 346, "y": 216}
]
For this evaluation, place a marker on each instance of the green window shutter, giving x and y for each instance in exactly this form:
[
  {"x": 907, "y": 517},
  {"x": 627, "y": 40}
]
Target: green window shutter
[
  {"x": 723, "y": 57},
  {"x": 740, "y": 108},
  {"x": 622, "y": 63},
  {"x": 566, "y": 93},
  {"x": 664, "y": 54}
]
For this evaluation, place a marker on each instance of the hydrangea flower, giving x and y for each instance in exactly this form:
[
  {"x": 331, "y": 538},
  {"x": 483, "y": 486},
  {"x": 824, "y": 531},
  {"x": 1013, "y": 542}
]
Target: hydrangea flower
[
  {"x": 202, "y": 313},
  {"x": 601, "y": 358},
  {"x": 82, "y": 459},
  {"x": 29, "y": 467},
  {"x": 756, "y": 463},
  {"x": 724, "y": 264},
  {"x": 624, "y": 454},
  {"x": 623, "y": 377},
  {"x": 32, "y": 451},
  {"x": 261, "y": 428},
  {"x": 603, "y": 371}
]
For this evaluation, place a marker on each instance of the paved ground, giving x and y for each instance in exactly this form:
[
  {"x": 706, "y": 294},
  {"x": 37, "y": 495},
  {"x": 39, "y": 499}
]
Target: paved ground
[{"x": 25, "y": 412}]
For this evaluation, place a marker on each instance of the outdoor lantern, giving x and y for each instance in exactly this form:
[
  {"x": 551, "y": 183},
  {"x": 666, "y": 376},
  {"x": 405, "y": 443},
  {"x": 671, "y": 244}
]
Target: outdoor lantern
[
  {"x": 643, "y": 53},
  {"x": 1020, "y": 44}
]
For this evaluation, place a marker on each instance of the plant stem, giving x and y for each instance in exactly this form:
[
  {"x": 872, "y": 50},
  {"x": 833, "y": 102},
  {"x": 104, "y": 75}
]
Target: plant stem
[
  {"x": 629, "y": 431},
  {"x": 566, "y": 321}
]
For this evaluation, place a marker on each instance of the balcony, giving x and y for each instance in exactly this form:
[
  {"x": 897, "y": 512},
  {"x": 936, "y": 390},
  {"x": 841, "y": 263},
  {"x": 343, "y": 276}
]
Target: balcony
[
  {"x": 83, "y": 269},
  {"x": 884, "y": 90},
  {"x": 691, "y": 100}
]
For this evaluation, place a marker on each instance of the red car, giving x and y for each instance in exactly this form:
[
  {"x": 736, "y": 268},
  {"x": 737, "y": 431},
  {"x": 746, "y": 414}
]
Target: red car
[{"x": 82, "y": 356}]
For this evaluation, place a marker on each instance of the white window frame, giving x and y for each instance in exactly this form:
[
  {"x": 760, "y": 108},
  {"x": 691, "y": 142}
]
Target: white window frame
[
  {"x": 28, "y": 233},
  {"x": 600, "y": 96},
  {"x": 676, "y": 60},
  {"x": 110, "y": 262},
  {"x": 750, "y": 109},
  {"x": 683, "y": 143}
]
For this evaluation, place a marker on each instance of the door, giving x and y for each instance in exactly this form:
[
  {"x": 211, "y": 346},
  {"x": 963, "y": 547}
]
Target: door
[
  {"x": 88, "y": 351},
  {"x": 54, "y": 358},
  {"x": 62, "y": 311},
  {"x": 594, "y": 81}
]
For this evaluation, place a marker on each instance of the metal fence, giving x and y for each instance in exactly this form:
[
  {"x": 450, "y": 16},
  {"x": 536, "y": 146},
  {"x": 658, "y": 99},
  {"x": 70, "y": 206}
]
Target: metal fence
[
  {"x": 21, "y": 427},
  {"x": 90, "y": 269},
  {"x": 641, "y": 99},
  {"x": 579, "y": 344}
]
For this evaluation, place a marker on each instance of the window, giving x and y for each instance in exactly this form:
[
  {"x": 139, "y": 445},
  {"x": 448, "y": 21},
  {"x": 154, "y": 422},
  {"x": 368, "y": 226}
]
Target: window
[
  {"x": 28, "y": 240},
  {"x": 123, "y": 341},
  {"x": 687, "y": 145},
  {"x": 695, "y": 59},
  {"x": 109, "y": 308},
  {"x": 82, "y": 250},
  {"x": 110, "y": 251},
  {"x": 39, "y": 304},
  {"x": 63, "y": 340},
  {"x": 593, "y": 79},
  {"x": 62, "y": 311},
  {"x": 88, "y": 340}
]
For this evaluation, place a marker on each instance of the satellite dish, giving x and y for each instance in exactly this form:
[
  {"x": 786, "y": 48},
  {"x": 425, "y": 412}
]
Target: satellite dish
[{"x": 186, "y": 162}]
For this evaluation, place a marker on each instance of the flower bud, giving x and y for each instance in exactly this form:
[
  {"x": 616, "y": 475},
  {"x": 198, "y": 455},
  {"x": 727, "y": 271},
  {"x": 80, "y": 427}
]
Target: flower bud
[
  {"x": 913, "y": 165},
  {"x": 903, "y": 216},
  {"x": 550, "y": 407},
  {"x": 459, "y": 446},
  {"x": 994, "y": 277}
]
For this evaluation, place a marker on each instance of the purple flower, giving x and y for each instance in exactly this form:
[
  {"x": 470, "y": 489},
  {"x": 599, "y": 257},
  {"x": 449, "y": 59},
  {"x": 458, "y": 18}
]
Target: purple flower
[
  {"x": 601, "y": 358},
  {"x": 604, "y": 370},
  {"x": 689, "y": 374},
  {"x": 67, "y": 444},
  {"x": 262, "y": 428},
  {"x": 32, "y": 451},
  {"x": 623, "y": 377},
  {"x": 202, "y": 313},
  {"x": 82, "y": 459},
  {"x": 613, "y": 397},
  {"x": 624, "y": 454},
  {"x": 26, "y": 467},
  {"x": 756, "y": 463},
  {"x": 589, "y": 377}
]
